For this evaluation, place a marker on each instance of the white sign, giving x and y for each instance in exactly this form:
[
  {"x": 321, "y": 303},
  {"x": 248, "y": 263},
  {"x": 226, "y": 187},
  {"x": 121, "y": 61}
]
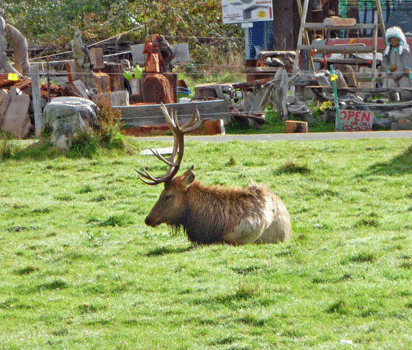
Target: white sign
[
  {"x": 239, "y": 11},
  {"x": 355, "y": 120}
]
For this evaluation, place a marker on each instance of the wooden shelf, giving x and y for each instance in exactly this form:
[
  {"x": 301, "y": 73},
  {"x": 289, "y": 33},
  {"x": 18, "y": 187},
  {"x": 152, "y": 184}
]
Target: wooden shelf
[
  {"x": 261, "y": 70},
  {"x": 337, "y": 48},
  {"x": 322, "y": 26},
  {"x": 335, "y": 24}
]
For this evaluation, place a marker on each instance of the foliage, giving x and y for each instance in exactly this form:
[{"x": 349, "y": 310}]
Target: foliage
[
  {"x": 274, "y": 124},
  {"x": 84, "y": 145},
  {"x": 199, "y": 23},
  {"x": 7, "y": 146},
  {"x": 87, "y": 144},
  {"x": 80, "y": 270},
  {"x": 110, "y": 120},
  {"x": 106, "y": 134}
]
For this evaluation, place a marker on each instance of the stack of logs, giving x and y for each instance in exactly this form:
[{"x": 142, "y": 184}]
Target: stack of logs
[
  {"x": 24, "y": 85},
  {"x": 15, "y": 103},
  {"x": 159, "y": 85}
]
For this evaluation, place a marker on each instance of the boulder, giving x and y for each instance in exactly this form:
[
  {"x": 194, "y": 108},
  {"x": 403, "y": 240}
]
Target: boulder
[{"x": 66, "y": 117}]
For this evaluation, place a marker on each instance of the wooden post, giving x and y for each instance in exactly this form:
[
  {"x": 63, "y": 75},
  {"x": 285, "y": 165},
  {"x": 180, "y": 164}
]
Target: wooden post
[
  {"x": 375, "y": 47},
  {"x": 312, "y": 65},
  {"x": 115, "y": 71},
  {"x": 48, "y": 78},
  {"x": 301, "y": 31},
  {"x": 35, "y": 86},
  {"x": 381, "y": 21}
]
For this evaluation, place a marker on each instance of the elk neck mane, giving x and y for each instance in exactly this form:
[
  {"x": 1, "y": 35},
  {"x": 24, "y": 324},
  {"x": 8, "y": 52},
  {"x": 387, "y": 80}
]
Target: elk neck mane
[{"x": 211, "y": 211}]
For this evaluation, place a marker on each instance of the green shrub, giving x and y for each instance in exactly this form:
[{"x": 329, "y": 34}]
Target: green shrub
[
  {"x": 84, "y": 145},
  {"x": 7, "y": 147},
  {"x": 110, "y": 123}
]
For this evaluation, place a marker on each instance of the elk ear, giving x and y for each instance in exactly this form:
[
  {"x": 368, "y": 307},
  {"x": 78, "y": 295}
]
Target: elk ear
[{"x": 187, "y": 178}]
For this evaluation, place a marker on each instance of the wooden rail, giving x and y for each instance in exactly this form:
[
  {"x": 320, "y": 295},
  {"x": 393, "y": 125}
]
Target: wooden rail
[{"x": 144, "y": 115}]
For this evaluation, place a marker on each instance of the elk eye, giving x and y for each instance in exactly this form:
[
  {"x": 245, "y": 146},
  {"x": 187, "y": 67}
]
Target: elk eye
[{"x": 168, "y": 197}]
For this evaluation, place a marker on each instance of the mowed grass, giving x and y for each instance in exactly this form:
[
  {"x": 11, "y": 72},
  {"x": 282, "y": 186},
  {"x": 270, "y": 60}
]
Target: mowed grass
[{"x": 80, "y": 270}]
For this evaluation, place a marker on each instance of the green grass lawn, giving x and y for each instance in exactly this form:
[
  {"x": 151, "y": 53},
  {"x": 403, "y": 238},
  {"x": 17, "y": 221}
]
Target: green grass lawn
[
  {"x": 80, "y": 270},
  {"x": 275, "y": 125}
]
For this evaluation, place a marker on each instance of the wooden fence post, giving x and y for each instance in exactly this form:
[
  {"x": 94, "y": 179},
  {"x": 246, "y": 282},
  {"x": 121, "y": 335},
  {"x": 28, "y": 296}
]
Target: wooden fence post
[{"x": 35, "y": 85}]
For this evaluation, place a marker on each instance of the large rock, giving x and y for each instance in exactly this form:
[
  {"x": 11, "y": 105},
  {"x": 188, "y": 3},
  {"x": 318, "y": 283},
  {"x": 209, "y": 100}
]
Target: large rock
[{"x": 66, "y": 117}]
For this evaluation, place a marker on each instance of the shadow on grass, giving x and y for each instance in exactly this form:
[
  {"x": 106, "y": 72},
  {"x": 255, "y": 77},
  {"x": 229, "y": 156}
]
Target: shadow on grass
[
  {"x": 401, "y": 164},
  {"x": 168, "y": 250}
]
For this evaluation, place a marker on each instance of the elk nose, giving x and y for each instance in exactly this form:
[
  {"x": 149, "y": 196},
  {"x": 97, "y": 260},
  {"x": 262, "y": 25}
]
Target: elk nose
[
  {"x": 151, "y": 221},
  {"x": 148, "y": 221}
]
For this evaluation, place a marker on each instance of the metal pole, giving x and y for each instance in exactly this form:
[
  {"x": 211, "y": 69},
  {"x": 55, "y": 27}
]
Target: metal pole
[
  {"x": 246, "y": 26},
  {"x": 333, "y": 78}
]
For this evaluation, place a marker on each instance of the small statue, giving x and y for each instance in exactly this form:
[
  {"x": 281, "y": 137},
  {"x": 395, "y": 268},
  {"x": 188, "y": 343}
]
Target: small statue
[
  {"x": 153, "y": 57},
  {"x": 159, "y": 55},
  {"x": 397, "y": 63},
  {"x": 83, "y": 60},
  {"x": 81, "y": 54}
]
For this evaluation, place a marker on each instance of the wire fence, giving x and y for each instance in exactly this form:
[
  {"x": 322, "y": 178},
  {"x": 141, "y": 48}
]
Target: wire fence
[
  {"x": 19, "y": 117},
  {"x": 197, "y": 70}
]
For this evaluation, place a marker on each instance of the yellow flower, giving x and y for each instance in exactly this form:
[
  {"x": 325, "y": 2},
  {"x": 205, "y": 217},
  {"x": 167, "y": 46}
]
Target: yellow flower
[{"x": 325, "y": 105}]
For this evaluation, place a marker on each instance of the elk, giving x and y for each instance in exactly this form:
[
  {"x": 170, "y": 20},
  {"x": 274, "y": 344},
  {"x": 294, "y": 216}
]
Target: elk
[{"x": 213, "y": 214}]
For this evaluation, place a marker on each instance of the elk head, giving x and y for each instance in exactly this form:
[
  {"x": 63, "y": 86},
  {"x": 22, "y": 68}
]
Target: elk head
[{"x": 170, "y": 204}]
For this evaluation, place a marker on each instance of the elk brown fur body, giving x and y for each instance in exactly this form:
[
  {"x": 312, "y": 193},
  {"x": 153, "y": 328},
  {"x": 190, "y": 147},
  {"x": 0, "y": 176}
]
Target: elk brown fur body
[
  {"x": 218, "y": 214},
  {"x": 213, "y": 214}
]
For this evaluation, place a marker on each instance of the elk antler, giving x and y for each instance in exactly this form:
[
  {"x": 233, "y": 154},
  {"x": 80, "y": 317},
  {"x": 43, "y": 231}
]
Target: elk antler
[{"x": 178, "y": 147}]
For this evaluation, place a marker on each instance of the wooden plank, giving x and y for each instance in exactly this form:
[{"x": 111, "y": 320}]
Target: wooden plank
[
  {"x": 16, "y": 119},
  {"x": 115, "y": 71},
  {"x": 350, "y": 61},
  {"x": 369, "y": 90},
  {"x": 162, "y": 151},
  {"x": 407, "y": 125},
  {"x": 375, "y": 45},
  {"x": 293, "y": 126},
  {"x": 303, "y": 11},
  {"x": 249, "y": 84},
  {"x": 265, "y": 54},
  {"x": 381, "y": 20},
  {"x": 322, "y": 26},
  {"x": 97, "y": 54},
  {"x": 337, "y": 48},
  {"x": 261, "y": 70},
  {"x": 338, "y": 21},
  {"x": 143, "y": 115},
  {"x": 4, "y": 104},
  {"x": 36, "y": 93}
]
